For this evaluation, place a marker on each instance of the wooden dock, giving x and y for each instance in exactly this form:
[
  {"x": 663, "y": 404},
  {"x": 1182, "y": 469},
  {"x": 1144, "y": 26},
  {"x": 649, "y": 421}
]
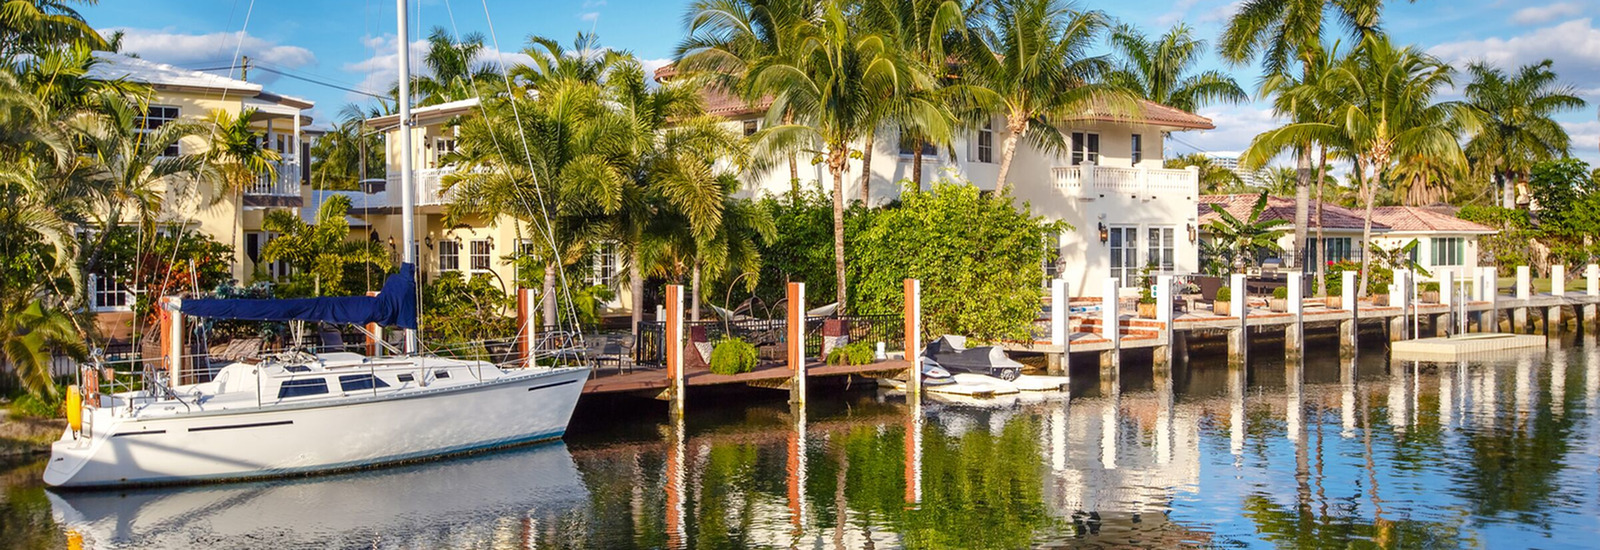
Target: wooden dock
[{"x": 654, "y": 380}]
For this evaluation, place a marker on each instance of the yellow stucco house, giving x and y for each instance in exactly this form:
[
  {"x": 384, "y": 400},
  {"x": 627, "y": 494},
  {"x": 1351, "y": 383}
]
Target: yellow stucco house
[{"x": 232, "y": 218}]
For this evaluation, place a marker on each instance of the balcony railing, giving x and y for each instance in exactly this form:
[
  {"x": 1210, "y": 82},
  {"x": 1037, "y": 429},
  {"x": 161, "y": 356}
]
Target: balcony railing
[
  {"x": 1090, "y": 181},
  {"x": 429, "y": 188},
  {"x": 282, "y": 181}
]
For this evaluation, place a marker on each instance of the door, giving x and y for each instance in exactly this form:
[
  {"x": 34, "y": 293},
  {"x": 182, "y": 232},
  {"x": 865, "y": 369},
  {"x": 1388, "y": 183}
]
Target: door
[{"x": 1125, "y": 254}]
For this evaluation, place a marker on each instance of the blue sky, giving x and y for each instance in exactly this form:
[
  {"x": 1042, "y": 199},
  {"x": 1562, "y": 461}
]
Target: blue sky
[{"x": 352, "y": 44}]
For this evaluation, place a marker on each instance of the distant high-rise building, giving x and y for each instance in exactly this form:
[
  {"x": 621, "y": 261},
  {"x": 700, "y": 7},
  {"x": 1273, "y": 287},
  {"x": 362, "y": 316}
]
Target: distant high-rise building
[{"x": 1255, "y": 178}]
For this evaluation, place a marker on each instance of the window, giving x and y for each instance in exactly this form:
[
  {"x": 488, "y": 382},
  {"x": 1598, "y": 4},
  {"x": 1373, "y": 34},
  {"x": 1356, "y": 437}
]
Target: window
[
  {"x": 525, "y": 248},
  {"x": 750, "y": 127},
  {"x": 480, "y": 255},
  {"x": 1336, "y": 249},
  {"x": 1052, "y": 256},
  {"x": 156, "y": 117},
  {"x": 255, "y": 242},
  {"x": 449, "y": 255},
  {"x": 1125, "y": 254},
  {"x": 986, "y": 143},
  {"x": 302, "y": 387},
  {"x": 1161, "y": 246},
  {"x": 1085, "y": 148},
  {"x": 1137, "y": 154},
  {"x": 1449, "y": 251},
  {"x": 297, "y": 368},
  {"x": 441, "y": 374},
  {"x": 908, "y": 146},
  {"x": 110, "y": 294},
  {"x": 405, "y": 377},
  {"x": 605, "y": 265},
  {"x": 353, "y": 382}
]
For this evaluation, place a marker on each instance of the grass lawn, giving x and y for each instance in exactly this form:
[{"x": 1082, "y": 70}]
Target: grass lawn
[{"x": 1540, "y": 284}]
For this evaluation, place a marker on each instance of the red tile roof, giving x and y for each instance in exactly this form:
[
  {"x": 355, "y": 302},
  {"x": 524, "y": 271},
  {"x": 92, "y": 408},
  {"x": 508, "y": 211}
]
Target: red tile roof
[
  {"x": 1413, "y": 218},
  {"x": 1333, "y": 215}
]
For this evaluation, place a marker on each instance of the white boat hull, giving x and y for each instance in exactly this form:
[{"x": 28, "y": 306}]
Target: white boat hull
[{"x": 319, "y": 437}]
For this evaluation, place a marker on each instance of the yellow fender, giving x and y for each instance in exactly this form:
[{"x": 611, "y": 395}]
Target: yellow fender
[{"x": 74, "y": 409}]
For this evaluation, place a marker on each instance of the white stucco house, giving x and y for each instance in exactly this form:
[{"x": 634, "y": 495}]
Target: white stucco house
[{"x": 1125, "y": 209}]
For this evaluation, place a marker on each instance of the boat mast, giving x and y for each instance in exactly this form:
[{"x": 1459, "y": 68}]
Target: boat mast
[{"x": 408, "y": 207}]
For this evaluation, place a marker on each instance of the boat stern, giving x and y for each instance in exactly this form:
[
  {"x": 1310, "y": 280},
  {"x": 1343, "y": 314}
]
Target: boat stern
[{"x": 68, "y": 456}]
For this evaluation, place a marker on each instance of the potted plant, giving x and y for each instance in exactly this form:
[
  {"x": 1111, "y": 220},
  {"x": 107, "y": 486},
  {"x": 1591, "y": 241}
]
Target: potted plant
[
  {"x": 1147, "y": 296},
  {"x": 1280, "y": 300},
  {"x": 1223, "y": 304},
  {"x": 1380, "y": 293},
  {"x": 1429, "y": 292},
  {"x": 733, "y": 356}
]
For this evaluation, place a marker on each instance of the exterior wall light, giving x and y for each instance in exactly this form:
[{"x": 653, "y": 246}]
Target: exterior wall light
[
  {"x": 1192, "y": 234},
  {"x": 1104, "y": 234}
]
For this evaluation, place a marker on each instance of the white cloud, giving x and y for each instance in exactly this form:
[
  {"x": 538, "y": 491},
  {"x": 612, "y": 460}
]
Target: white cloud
[
  {"x": 589, "y": 17},
  {"x": 1537, "y": 15},
  {"x": 1573, "y": 45},
  {"x": 211, "y": 49},
  {"x": 650, "y": 66},
  {"x": 1236, "y": 126},
  {"x": 1585, "y": 138}
]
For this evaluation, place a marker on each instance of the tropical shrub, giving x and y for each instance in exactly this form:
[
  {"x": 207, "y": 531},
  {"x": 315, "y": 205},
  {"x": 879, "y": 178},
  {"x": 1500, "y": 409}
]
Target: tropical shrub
[
  {"x": 978, "y": 258},
  {"x": 1280, "y": 293},
  {"x": 458, "y": 313},
  {"x": 1379, "y": 284},
  {"x": 1430, "y": 286},
  {"x": 733, "y": 356},
  {"x": 1224, "y": 294},
  {"x": 853, "y": 353},
  {"x": 1146, "y": 283},
  {"x": 165, "y": 263}
]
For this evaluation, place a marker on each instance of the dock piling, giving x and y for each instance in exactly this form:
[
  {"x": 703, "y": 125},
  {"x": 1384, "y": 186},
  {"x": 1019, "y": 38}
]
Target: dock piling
[
  {"x": 1059, "y": 320},
  {"x": 1163, "y": 295},
  {"x": 1238, "y": 343},
  {"x": 913, "y": 338},
  {"x": 1489, "y": 291},
  {"x": 1558, "y": 288},
  {"x": 1111, "y": 328},
  {"x": 1347, "y": 327},
  {"x": 1591, "y": 275},
  {"x": 797, "y": 342},
  {"x": 675, "y": 375},
  {"x": 1519, "y": 314},
  {"x": 1294, "y": 335}
]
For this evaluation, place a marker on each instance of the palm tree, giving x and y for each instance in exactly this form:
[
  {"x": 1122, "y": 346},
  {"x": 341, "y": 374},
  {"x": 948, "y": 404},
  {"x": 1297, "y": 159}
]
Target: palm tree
[
  {"x": 1214, "y": 179},
  {"x": 1515, "y": 113},
  {"x": 236, "y": 150},
  {"x": 1032, "y": 67},
  {"x": 31, "y": 336},
  {"x": 1280, "y": 181},
  {"x": 1242, "y": 238},
  {"x": 1381, "y": 108},
  {"x": 322, "y": 249},
  {"x": 1159, "y": 71},
  {"x": 349, "y": 153},
  {"x": 59, "y": 78},
  {"x": 1285, "y": 31},
  {"x": 926, "y": 31},
  {"x": 33, "y": 26},
  {"x": 587, "y": 61},
  {"x": 830, "y": 86},
  {"x": 454, "y": 72}
]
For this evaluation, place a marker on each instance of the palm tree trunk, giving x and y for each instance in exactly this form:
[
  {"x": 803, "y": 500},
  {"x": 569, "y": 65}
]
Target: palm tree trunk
[
  {"x": 836, "y": 164},
  {"x": 1302, "y": 197},
  {"x": 1366, "y": 226},
  {"x": 1322, "y": 262},
  {"x": 1008, "y": 150},
  {"x": 549, "y": 291},
  {"x": 636, "y": 290},
  {"x": 794, "y": 177},
  {"x": 866, "y": 168},
  {"x": 916, "y": 163},
  {"x": 694, "y": 292}
]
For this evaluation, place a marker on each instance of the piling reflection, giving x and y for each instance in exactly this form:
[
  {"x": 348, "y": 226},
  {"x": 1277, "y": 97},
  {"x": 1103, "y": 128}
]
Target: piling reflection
[{"x": 1418, "y": 454}]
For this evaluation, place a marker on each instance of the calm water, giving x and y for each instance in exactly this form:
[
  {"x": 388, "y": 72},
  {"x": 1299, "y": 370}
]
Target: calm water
[{"x": 1501, "y": 454}]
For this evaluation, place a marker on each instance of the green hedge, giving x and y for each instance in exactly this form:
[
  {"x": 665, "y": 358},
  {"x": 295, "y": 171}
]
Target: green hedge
[
  {"x": 854, "y": 353},
  {"x": 733, "y": 356}
]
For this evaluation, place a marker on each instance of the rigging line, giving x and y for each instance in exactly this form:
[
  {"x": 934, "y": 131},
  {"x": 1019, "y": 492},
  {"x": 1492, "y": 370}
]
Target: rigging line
[
  {"x": 238, "y": 47},
  {"x": 303, "y": 72},
  {"x": 320, "y": 83},
  {"x": 527, "y": 154},
  {"x": 549, "y": 229}
]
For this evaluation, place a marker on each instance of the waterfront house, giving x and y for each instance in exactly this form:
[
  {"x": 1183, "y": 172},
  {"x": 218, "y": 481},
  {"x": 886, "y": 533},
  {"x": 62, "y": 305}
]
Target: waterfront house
[
  {"x": 1445, "y": 242},
  {"x": 233, "y": 219},
  {"x": 1125, "y": 209}
]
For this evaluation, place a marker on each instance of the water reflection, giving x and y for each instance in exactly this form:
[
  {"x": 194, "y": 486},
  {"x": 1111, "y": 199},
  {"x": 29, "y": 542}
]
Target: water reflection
[{"x": 1491, "y": 454}]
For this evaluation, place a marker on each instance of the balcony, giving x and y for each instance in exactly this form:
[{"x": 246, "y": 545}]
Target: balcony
[
  {"x": 1089, "y": 182},
  {"x": 429, "y": 187},
  {"x": 279, "y": 187}
]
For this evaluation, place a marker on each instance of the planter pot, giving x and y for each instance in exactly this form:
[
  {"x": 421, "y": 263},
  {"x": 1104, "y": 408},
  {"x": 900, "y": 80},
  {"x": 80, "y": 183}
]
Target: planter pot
[
  {"x": 1147, "y": 311},
  {"x": 1333, "y": 302},
  {"x": 1222, "y": 308},
  {"x": 1430, "y": 297},
  {"x": 1278, "y": 305},
  {"x": 1380, "y": 300}
]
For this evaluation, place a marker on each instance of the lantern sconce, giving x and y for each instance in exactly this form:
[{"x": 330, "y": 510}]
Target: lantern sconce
[
  {"x": 1105, "y": 235},
  {"x": 1192, "y": 234},
  {"x": 428, "y": 241}
]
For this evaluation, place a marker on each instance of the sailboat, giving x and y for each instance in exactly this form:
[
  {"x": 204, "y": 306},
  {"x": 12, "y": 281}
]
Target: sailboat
[{"x": 300, "y": 412}]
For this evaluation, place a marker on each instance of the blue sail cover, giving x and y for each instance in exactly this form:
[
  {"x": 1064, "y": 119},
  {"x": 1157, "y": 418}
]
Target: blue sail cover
[{"x": 394, "y": 306}]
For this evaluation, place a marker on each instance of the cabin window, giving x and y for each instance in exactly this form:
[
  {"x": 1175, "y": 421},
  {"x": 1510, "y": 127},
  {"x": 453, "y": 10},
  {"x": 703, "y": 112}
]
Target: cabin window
[
  {"x": 302, "y": 387},
  {"x": 1137, "y": 144},
  {"x": 353, "y": 382},
  {"x": 297, "y": 368},
  {"x": 480, "y": 255},
  {"x": 750, "y": 127},
  {"x": 1449, "y": 251},
  {"x": 1085, "y": 148},
  {"x": 405, "y": 377},
  {"x": 986, "y": 143},
  {"x": 449, "y": 255},
  {"x": 441, "y": 374}
]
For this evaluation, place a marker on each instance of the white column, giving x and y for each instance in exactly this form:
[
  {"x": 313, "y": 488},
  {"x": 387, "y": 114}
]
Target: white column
[
  {"x": 1347, "y": 289},
  {"x": 1237, "y": 291},
  {"x": 1058, "y": 312},
  {"x": 1399, "y": 290},
  {"x": 1591, "y": 275},
  {"x": 1109, "y": 316},
  {"x": 1447, "y": 287},
  {"x": 297, "y": 157},
  {"x": 1524, "y": 283},
  {"x": 1558, "y": 280},
  {"x": 1297, "y": 293},
  {"x": 1164, "y": 299}
]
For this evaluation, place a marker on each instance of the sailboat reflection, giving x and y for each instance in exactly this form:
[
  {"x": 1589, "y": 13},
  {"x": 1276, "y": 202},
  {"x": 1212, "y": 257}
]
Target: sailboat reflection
[{"x": 503, "y": 495}]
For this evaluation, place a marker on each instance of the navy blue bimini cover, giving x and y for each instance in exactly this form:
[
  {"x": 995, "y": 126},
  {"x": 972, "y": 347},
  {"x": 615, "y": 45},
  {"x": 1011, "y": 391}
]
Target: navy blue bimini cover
[{"x": 394, "y": 306}]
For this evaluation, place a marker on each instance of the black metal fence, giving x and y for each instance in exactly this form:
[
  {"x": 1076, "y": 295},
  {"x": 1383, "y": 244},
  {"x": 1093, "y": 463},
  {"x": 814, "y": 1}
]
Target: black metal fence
[{"x": 769, "y": 336}]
